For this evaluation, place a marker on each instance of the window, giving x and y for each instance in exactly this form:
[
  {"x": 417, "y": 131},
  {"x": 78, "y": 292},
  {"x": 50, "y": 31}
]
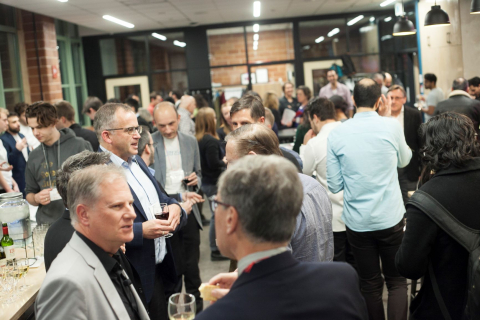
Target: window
[
  {"x": 11, "y": 91},
  {"x": 72, "y": 71},
  {"x": 165, "y": 82},
  {"x": 324, "y": 38},
  {"x": 226, "y": 47},
  {"x": 363, "y": 36},
  {"x": 164, "y": 54},
  {"x": 270, "y": 43}
]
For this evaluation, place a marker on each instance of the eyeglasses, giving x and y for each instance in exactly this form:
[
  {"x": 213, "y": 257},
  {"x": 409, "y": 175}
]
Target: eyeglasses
[
  {"x": 215, "y": 203},
  {"x": 130, "y": 130}
]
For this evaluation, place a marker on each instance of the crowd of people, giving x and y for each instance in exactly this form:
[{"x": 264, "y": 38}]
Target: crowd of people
[{"x": 312, "y": 229}]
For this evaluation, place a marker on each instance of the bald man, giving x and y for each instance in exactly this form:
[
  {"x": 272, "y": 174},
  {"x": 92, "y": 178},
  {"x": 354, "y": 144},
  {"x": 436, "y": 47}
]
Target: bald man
[
  {"x": 185, "y": 111},
  {"x": 177, "y": 158}
]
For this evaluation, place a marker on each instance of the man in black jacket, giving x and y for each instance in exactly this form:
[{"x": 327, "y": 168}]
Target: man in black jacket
[
  {"x": 66, "y": 119},
  {"x": 460, "y": 101},
  {"x": 410, "y": 119}
]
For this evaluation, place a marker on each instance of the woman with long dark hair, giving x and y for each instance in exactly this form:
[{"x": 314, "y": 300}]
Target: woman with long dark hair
[
  {"x": 450, "y": 175},
  {"x": 211, "y": 159}
]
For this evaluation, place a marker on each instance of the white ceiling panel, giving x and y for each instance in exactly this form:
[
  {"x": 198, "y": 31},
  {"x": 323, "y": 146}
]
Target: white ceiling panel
[{"x": 153, "y": 14}]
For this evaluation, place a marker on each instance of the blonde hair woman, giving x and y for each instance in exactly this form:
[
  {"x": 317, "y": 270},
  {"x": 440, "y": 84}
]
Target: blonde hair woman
[
  {"x": 211, "y": 160},
  {"x": 271, "y": 102}
]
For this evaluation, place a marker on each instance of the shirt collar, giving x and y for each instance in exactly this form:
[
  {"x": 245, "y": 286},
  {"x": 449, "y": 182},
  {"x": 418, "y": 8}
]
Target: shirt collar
[
  {"x": 459, "y": 93},
  {"x": 119, "y": 161},
  {"x": 108, "y": 262},
  {"x": 255, "y": 257},
  {"x": 366, "y": 114}
]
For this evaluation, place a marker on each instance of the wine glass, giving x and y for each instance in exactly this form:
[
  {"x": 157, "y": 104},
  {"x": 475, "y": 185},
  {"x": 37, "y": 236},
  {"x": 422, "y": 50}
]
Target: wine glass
[
  {"x": 181, "y": 306},
  {"x": 163, "y": 215},
  {"x": 23, "y": 266}
]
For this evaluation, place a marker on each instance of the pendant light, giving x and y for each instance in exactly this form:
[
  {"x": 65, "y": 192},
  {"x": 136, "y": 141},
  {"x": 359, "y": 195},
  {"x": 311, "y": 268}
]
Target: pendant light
[
  {"x": 475, "y": 8},
  {"x": 403, "y": 27},
  {"x": 436, "y": 17}
]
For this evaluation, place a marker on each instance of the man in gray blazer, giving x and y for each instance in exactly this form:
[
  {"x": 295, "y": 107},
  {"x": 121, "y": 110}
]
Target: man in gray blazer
[
  {"x": 177, "y": 159},
  {"x": 86, "y": 280}
]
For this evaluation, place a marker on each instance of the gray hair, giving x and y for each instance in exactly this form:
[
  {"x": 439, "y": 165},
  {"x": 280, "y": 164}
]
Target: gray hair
[
  {"x": 105, "y": 117},
  {"x": 460, "y": 84},
  {"x": 74, "y": 163},
  {"x": 84, "y": 186},
  {"x": 267, "y": 194}
]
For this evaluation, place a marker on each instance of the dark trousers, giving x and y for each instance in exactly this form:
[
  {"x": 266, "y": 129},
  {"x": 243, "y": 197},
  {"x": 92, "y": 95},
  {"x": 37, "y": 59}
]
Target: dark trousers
[
  {"x": 191, "y": 253},
  {"x": 368, "y": 248},
  {"x": 342, "y": 249},
  {"x": 186, "y": 250},
  {"x": 157, "y": 306}
]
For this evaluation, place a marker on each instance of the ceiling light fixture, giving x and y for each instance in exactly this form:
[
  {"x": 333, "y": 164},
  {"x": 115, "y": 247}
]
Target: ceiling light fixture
[
  {"x": 333, "y": 32},
  {"x": 256, "y": 9},
  {"x": 403, "y": 27},
  {"x": 386, "y": 3},
  {"x": 436, "y": 17},
  {"x": 372, "y": 19},
  {"x": 256, "y": 27},
  {"x": 387, "y": 19},
  {"x": 255, "y": 37},
  {"x": 319, "y": 39},
  {"x": 475, "y": 7},
  {"x": 179, "y": 43},
  {"x": 159, "y": 36},
  {"x": 62, "y": 0},
  {"x": 118, "y": 21},
  {"x": 355, "y": 20}
]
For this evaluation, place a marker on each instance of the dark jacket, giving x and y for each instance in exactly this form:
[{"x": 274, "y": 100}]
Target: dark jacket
[
  {"x": 412, "y": 119},
  {"x": 211, "y": 155},
  {"x": 424, "y": 242},
  {"x": 283, "y": 288},
  {"x": 462, "y": 104},
  {"x": 87, "y": 135},
  {"x": 16, "y": 159},
  {"x": 141, "y": 251}
]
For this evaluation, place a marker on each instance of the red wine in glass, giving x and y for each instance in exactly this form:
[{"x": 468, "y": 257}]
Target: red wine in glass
[{"x": 162, "y": 216}]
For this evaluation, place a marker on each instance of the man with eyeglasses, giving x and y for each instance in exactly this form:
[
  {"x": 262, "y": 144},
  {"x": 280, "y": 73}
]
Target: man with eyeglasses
[
  {"x": 44, "y": 161},
  {"x": 150, "y": 252},
  {"x": 255, "y": 229},
  {"x": 410, "y": 120}
]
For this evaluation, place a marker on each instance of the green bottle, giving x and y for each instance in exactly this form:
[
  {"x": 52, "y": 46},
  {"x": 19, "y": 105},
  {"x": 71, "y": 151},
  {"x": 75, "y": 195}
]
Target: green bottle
[{"x": 7, "y": 244}]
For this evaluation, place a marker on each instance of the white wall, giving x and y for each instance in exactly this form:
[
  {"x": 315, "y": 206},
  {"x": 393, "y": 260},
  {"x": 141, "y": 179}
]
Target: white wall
[{"x": 470, "y": 40}]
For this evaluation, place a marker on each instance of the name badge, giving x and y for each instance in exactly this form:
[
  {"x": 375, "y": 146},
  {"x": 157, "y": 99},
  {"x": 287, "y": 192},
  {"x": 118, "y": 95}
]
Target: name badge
[{"x": 54, "y": 195}]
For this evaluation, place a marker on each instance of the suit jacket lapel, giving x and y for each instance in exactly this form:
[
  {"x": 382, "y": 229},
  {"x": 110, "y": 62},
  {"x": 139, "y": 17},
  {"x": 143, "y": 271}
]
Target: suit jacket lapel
[
  {"x": 184, "y": 153},
  {"x": 101, "y": 276},
  {"x": 160, "y": 161},
  {"x": 141, "y": 309},
  {"x": 137, "y": 204}
]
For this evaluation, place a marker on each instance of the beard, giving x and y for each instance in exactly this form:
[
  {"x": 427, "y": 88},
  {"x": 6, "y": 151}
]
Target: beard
[{"x": 14, "y": 130}]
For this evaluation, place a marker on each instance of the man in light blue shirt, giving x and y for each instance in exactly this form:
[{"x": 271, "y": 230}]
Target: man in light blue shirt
[{"x": 362, "y": 159}]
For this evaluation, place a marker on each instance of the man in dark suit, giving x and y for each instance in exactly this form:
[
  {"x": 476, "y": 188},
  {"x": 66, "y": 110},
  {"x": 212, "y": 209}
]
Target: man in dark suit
[
  {"x": 460, "y": 101},
  {"x": 17, "y": 150},
  {"x": 66, "y": 119},
  {"x": 410, "y": 119},
  {"x": 255, "y": 230},
  {"x": 149, "y": 252}
]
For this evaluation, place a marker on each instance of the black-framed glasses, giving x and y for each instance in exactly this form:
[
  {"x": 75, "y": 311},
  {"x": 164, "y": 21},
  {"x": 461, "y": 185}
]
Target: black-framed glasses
[
  {"x": 215, "y": 203},
  {"x": 129, "y": 130}
]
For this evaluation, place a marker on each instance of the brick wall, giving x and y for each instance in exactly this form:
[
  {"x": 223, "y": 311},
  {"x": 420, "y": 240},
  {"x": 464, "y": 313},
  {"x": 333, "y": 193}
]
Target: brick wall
[
  {"x": 47, "y": 53},
  {"x": 229, "y": 49}
]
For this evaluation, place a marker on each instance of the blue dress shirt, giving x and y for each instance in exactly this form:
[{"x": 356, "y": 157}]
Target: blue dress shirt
[{"x": 362, "y": 159}]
